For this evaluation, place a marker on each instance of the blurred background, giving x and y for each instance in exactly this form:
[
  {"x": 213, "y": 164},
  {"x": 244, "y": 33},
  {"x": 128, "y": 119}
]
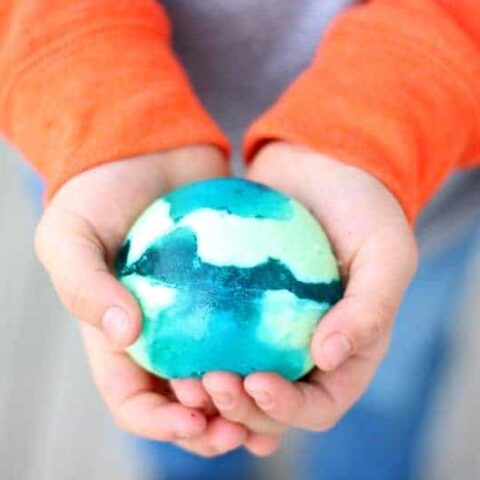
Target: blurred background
[{"x": 53, "y": 425}]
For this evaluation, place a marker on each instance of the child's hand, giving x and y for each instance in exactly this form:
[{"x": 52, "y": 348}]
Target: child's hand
[
  {"x": 377, "y": 252},
  {"x": 76, "y": 240}
]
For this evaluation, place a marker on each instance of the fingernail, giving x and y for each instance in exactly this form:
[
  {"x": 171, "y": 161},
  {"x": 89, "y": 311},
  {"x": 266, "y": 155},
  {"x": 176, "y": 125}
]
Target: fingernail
[
  {"x": 222, "y": 399},
  {"x": 115, "y": 324},
  {"x": 262, "y": 398},
  {"x": 336, "y": 349}
]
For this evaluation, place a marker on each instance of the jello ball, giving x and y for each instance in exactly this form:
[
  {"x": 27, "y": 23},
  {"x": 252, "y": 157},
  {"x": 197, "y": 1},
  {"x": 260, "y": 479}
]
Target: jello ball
[{"x": 231, "y": 276}]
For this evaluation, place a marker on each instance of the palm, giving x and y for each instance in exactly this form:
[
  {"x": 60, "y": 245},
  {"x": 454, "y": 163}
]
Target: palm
[{"x": 376, "y": 251}]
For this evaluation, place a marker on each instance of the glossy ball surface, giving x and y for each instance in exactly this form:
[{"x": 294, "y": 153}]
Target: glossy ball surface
[{"x": 230, "y": 275}]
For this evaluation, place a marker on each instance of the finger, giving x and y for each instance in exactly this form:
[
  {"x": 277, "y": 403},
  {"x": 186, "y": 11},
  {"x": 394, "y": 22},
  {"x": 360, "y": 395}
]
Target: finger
[
  {"x": 377, "y": 279},
  {"x": 322, "y": 399},
  {"x": 231, "y": 400},
  {"x": 74, "y": 257},
  {"x": 133, "y": 396},
  {"x": 221, "y": 436},
  {"x": 299, "y": 405},
  {"x": 191, "y": 393},
  {"x": 262, "y": 445}
]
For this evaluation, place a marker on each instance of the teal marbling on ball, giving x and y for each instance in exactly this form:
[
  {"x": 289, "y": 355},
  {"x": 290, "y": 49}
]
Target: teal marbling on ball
[{"x": 230, "y": 275}]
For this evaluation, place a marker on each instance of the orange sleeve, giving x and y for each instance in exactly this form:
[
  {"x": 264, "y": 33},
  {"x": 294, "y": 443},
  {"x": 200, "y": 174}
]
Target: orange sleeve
[
  {"x": 394, "y": 89},
  {"x": 86, "y": 82}
]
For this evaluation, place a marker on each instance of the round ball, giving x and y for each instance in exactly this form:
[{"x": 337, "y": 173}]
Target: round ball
[{"x": 230, "y": 275}]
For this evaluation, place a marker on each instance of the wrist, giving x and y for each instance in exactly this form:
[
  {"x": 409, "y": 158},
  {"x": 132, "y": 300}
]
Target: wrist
[
  {"x": 297, "y": 168},
  {"x": 336, "y": 186},
  {"x": 103, "y": 194},
  {"x": 280, "y": 155},
  {"x": 191, "y": 163},
  {"x": 168, "y": 169}
]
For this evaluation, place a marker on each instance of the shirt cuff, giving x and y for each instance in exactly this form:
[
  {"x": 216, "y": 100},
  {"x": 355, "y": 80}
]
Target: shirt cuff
[
  {"x": 394, "y": 90},
  {"x": 108, "y": 91}
]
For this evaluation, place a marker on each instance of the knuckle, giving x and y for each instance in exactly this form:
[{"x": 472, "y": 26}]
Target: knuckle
[
  {"x": 206, "y": 454},
  {"x": 287, "y": 417},
  {"x": 124, "y": 421},
  {"x": 384, "y": 308},
  {"x": 264, "y": 453},
  {"x": 121, "y": 421},
  {"x": 384, "y": 348},
  {"x": 40, "y": 240},
  {"x": 379, "y": 320},
  {"x": 406, "y": 247},
  {"x": 238, "y": 415},
  {"x": 272, "y": 428},
  {"x": 372, "y": 321},
  {"x": 73, "y": 297},
  {"x": 47, "y": 232},
  {"x": 382, "y": 317},
  {"x": 324, "y": 424},
  {"x": 78, "y": 297},
  {"x": 201, "y": 450},
  {"x": 411, "y": 263}
]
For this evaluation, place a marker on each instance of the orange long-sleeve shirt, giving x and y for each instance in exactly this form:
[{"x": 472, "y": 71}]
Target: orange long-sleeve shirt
[{"x": 394, "y": 88}]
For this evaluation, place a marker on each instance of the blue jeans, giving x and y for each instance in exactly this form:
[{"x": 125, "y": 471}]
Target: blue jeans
[{"x": 380, "y": 438}]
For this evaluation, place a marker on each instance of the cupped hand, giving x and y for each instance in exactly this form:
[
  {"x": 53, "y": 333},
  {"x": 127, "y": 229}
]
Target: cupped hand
[
  {"x": 76, "y": 240},
  {"x": 377, "y": 254}
]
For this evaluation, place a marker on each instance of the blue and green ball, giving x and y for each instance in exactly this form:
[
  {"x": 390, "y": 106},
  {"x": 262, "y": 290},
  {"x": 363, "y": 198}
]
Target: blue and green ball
[{"x": 230, "y": 275}]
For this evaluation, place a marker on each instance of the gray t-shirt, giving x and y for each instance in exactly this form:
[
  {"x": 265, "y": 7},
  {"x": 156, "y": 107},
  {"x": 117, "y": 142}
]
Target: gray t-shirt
[{"x": 242, "y": 54}]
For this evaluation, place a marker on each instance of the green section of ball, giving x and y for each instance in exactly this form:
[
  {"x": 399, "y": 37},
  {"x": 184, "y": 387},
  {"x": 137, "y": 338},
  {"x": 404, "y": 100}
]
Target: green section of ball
[{"x": 230, "y": 275}]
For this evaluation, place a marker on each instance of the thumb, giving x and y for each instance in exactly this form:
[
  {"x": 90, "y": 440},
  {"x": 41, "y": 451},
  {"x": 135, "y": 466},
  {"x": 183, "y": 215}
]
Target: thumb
[
  {"x": 75, "y": 258},
  {"x": 378, "y": 277}
]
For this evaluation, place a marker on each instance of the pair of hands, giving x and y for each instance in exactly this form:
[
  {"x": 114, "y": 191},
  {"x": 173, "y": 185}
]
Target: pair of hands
[{"x": 85, "y": 224}]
